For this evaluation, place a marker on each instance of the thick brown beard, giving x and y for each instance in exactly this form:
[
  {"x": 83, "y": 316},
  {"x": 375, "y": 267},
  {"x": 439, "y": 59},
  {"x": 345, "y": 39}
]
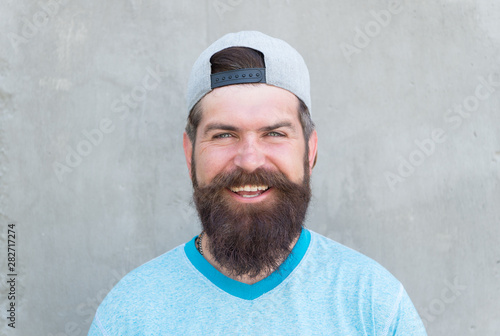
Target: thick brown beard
[{"x": 252, "y": 239}]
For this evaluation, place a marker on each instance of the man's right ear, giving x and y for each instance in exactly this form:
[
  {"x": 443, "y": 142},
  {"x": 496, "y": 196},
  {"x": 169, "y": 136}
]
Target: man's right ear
[{"x": 188, "y": 150}]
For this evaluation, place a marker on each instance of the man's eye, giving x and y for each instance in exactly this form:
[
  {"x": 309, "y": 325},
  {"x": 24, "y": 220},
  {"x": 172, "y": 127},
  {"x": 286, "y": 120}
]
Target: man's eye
[
  {"x": 223, "y": 135},
  {"x": 275, "y": 134}
]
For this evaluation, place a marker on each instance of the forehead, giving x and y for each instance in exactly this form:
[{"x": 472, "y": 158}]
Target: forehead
[{"x": 250, "y": 104}]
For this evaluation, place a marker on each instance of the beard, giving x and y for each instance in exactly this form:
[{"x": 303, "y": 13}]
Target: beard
[{"x": 251, "y": 239}]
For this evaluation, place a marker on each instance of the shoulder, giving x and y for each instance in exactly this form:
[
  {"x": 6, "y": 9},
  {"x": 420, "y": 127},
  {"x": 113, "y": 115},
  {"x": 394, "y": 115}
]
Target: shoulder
[
  {"x": 172, "y": 260},
  {"x": 360, "y": 287},
  {"x": 143, "y": 282},
  {"x": 140, "y": 299},
  {"x": 349, "y": 265},
  {"x": 331, "y": 249}
]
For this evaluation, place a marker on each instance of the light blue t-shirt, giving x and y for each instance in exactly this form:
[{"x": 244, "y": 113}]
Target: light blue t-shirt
[{"x": 323, "y": 288}]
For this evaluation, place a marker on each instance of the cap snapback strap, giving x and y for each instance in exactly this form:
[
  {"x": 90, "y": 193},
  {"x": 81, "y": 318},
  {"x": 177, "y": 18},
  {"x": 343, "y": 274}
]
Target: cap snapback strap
[{"x": 240, "y": 76}]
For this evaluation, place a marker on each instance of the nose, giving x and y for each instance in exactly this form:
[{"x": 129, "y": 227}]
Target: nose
[{"x": 250, "y": 156}]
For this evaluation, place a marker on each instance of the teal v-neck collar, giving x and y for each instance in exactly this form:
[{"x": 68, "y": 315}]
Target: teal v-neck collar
[{"x": 242, "y": 290}]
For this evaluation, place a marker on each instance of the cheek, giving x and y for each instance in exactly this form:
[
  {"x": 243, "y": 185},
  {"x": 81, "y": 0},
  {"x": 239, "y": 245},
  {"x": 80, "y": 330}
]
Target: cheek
[
  {"x": 290, "y": 162},
  {"x": 210, "y": 162}
]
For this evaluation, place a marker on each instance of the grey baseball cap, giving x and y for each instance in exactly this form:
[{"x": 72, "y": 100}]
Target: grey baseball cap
[{"x": 285, "y": 67}]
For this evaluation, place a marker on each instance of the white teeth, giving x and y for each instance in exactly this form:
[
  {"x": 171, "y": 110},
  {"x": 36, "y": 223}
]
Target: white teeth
[{"x": 249, "y": 188}]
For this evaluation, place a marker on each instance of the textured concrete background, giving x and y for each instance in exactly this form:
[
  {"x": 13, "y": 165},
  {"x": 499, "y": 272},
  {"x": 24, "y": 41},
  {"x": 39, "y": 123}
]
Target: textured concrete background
[{"x": 406, "y": 99}]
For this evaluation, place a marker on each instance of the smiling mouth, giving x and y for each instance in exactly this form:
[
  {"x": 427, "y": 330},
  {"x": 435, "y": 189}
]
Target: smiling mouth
[{"x": 249, "y": 191}]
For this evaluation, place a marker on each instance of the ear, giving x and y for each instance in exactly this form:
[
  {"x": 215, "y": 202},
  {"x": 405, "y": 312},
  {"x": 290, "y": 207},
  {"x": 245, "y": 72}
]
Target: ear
[
  {"x": 313, "y": 150},
  {"x": 188, "y": 150}
]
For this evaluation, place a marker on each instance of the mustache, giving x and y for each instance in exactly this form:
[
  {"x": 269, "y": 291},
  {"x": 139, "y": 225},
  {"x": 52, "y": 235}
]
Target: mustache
[{"x": 239, "y": 177}]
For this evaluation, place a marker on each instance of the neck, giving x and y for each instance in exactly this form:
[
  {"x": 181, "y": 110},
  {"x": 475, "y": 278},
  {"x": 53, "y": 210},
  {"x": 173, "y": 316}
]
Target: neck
[{"x": 241, "y": 278}]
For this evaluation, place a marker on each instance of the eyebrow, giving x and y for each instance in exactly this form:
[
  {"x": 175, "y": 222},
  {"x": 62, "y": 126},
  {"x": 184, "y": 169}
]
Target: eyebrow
[
  {"x": 226, "y": 127},
  {"x": 218, "y": 126},
  {"x": 277, "y": 125}
]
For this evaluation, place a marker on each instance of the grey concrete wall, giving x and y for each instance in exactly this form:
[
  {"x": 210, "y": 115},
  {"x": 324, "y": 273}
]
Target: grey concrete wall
[{"x": 406, "y": 99}]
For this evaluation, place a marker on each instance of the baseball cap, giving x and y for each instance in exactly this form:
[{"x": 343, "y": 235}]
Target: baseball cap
[{"x": 284, "y": 67}]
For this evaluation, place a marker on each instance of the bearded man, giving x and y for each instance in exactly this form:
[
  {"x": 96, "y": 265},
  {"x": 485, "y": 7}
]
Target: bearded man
[{"x": 250, "y": 148}]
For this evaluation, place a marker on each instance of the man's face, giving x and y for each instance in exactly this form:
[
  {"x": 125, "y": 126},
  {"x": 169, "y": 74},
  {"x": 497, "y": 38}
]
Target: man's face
[
  {"x": 249, "y": 126},
  {"x": 250, "y": 173}
]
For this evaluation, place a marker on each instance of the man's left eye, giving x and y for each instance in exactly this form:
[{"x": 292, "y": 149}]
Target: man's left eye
[
  {"x": 222, "y": 135},
  {"x": 275, "y": 134}
]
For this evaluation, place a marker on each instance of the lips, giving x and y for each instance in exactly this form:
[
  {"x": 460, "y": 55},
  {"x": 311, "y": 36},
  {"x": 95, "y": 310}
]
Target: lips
[{"x": 249, "y": 191}]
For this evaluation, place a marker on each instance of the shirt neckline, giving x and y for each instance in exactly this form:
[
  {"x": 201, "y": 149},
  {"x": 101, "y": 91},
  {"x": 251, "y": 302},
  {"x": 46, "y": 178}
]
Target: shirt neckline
[{"x": 242, "y": 290}]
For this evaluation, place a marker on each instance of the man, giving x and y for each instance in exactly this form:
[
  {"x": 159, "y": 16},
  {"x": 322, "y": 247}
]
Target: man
[{"x": 250, "y": 147}]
